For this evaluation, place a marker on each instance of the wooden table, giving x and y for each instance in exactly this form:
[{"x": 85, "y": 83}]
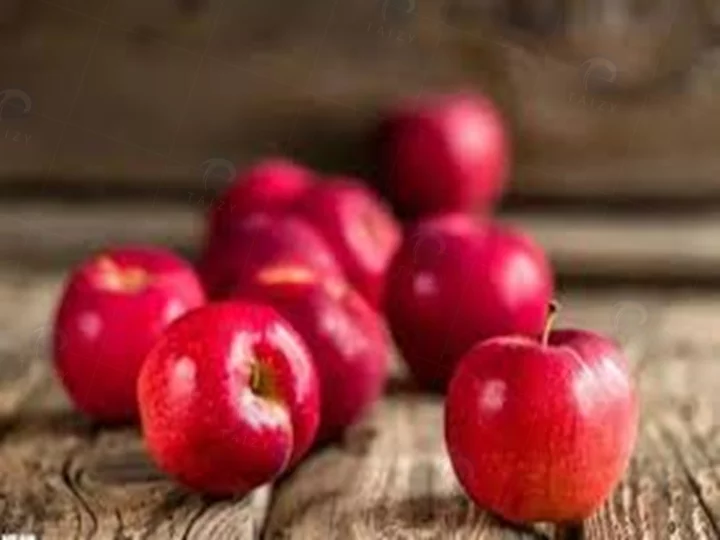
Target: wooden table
[{"x": 61, "y": 477}]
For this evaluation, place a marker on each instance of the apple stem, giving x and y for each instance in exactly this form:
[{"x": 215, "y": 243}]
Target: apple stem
[
  {"x": 553, "y": 310},
  {"x": 256, "y": 379}
]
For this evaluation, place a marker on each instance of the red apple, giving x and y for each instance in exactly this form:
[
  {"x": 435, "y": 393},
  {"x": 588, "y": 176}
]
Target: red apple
[
  {"x": 541, "y": 431},
  {"x": 346, "y": 338},
  {"x": 454, "y": 282},
  {"x": 228, "y": 398},
  {"x": 114, "y": 308},
  {"x": 445, "y": 153},
  {"x": 271, "y": 185},
  {"x": 258, "y": 240},
  {"x": 361, "y": 231}
]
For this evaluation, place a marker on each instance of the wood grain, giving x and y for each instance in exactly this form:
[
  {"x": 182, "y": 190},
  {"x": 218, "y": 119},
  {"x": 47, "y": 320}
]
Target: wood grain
[
  {"x": 671, "y": 489},
  {"x": 658, "y": 497},
  {"x": 26, "y": 303},
  {"x": 61, "y": 476},
  {"x": 634, "y": 246},
  {"x": 390, "y": 479},
  {"x": 400, "y": 484},
  {"x": 146, "y": 93}
]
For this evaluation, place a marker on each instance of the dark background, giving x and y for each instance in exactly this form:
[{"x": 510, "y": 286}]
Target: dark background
[{"x": 121, "y": 120}]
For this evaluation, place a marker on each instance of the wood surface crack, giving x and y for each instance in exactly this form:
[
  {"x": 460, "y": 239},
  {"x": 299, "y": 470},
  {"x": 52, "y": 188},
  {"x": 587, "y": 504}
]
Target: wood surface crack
[
  {"x": 569, "y": 532},
  {"x": 194, "y": 519},
  {"x": 690, "y": 477},
  {"x": 70, "y": 481},
  {"x": 173, "y": 500},
  {"x": 701, "y": 500}
]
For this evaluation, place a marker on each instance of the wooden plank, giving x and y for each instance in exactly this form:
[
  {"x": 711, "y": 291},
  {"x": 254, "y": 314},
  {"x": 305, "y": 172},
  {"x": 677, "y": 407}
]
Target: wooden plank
[
  {"x": 338, "y": 493},
  {"x": 634, "y": 246},
  {"x": 696, "y": 445},
  {"x": 658, "y": 497},
  {"x": 57, "y": 235},
  {"x": 672, "y": 488},
  {"x": 629, "y": 245},
  {"x": 389, "y": 479},
  {"x": 146, "y": 94},
  {"x": 62, "y": 477},
  {"x": 25, "y": 310}
]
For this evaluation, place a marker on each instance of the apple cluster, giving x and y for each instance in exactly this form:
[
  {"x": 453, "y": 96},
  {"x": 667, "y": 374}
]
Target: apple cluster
[{"x": 282, "y": 335}]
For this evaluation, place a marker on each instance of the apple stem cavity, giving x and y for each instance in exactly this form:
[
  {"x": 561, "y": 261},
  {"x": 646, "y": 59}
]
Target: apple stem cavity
[
  {"x": 553, "y": 310},
  {"x": 261, "y": 381}
]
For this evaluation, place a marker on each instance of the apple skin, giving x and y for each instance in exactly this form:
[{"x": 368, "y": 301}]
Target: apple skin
[
  {"x": 444, "y": 153},
  {"x": 454, "y": 282},
  {"x": 258, "y": 240},
  {"x": 541, "y": 432},
  {"x": 228, "y": 398},
  {"x": 346, "y": 337},
  {"x": 114, "y": 307},
  {"x": 271, "y": 185},
  {"x": 359, "y": 229}
]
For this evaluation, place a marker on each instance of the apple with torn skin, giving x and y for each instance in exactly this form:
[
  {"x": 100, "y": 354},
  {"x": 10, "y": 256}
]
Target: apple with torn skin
[
  {"x": 228, "y": 398},
  {"x": 114, "y": 307}
]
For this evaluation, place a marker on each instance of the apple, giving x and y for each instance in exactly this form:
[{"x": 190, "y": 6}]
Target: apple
[
  {"x": 454, "y": 282},
  {"x": 228, "y": 398},
  {"x": 541, "y": 430},
  {"x": 359, "y": 229},
  {"x": 272, "y": 185},
  {"x": 346, "y": 337},
  {"x": 260, "y": 239},
  {"x": 114, "y": 307},
  {"x": 444, "y": 153}
]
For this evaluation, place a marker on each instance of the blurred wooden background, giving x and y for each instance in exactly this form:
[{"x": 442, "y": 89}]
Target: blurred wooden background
[
  {"x": 609, "y": 99},
  {"x": 146, "y": 108}
]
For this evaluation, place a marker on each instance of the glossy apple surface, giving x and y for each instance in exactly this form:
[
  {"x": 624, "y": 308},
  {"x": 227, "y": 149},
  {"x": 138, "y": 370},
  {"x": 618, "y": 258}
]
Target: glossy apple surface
[
  {"x": 271, "y": 185},
  {"x": 454, "y": 282},
  {"x": 114, "y": 307},
  {"x": 346, "y": 338},
  {"x": 445, "y": 153},
  {"x": 258, "y": 240},
  {"x": 541, "y": 432},
  {"x": 359, "y": 229},
  {"x": 228, "y": 398}
]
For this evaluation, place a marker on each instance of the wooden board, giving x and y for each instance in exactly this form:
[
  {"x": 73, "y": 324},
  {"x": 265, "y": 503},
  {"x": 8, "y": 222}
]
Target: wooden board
[
  {"x": 170, "y": 93},
  {"x": 666, "y": 245},
  {"x": 62, "y": 477}
]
